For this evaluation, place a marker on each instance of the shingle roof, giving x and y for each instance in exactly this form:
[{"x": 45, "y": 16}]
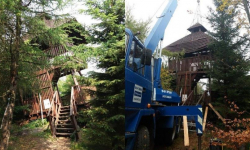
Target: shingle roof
[
  {"x": 196, "y": 27},
  {"x": 195, "y": 41}
]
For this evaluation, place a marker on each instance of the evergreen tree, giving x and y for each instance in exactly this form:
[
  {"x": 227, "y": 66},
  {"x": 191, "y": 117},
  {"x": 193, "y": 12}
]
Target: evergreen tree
[
  {"x": 106, "y": 119},
  {"x": 230, "y": 64},
  {"x": 21, "y": 21},
  {"x": 167, "y": 80}
]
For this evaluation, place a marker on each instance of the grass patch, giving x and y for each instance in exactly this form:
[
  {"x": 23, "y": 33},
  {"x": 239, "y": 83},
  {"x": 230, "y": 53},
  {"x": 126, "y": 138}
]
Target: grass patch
[
  {"x": 76, "y": 146},
  {"x": 44, "y": 134},
  {"x": 15, "y": 128},
  {"x": 36, "y": 123}
]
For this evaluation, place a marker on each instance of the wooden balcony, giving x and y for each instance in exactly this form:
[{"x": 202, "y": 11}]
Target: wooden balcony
[{"x": 198, "y": 63}]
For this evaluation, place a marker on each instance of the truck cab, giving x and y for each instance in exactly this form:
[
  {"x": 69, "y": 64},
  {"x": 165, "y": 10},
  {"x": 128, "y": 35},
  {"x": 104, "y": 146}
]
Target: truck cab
[{"x": 138, "y": 86}]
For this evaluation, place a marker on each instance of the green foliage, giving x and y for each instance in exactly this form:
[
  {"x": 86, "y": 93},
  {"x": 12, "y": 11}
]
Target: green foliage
[
  {"x": 106, "y": 116},
  {"x": 167, "y": 80},
  {"x": 175, "y": 55},
  {"x": 137, "y": 25},
  {"x": 36, "y": 123},
  {"x": 19, "y": 109},
  {"x": 76, "y": 146},
  {"x": 230, "y": 62},
  {"x": 200, "y": 91},
  {"x": 18, "y": 112},
  {"x": 64, "y": 86}
]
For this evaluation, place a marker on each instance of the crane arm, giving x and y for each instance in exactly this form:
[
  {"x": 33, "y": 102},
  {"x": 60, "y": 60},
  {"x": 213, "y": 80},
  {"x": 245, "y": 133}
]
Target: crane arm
[{"x": 157, "y": 33}]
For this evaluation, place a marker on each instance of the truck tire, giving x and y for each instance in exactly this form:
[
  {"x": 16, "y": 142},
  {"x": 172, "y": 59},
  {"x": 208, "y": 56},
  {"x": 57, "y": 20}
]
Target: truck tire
[{"x": 143, "y": 139}]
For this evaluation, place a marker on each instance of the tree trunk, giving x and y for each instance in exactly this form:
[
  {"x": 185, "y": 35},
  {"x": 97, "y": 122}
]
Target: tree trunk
[
  {"x": 245, "y": 3},
  {"x": 7, "y": 118},
  {"x": 11, "y": 93}
]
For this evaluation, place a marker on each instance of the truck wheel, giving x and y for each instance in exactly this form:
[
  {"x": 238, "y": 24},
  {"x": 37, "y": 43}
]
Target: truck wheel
[
  {"x": 178, "y": 127},
  {"x": 143, "y": 139}
]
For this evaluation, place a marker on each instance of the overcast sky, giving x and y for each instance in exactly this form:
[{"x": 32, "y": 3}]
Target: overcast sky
[
  {"x": 181, "y": 20},
  {"x": 144, "y": 9}
]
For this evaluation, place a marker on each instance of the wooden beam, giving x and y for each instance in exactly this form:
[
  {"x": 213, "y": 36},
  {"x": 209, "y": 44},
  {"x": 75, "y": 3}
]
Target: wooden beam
[
  {"x": 185, "y": 127},
  {"x": 205, "y": 119},
  {"x": 217, "y": 113}
]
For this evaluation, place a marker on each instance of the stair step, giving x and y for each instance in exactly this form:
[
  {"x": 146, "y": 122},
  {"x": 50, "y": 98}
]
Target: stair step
[
  {"x": 61, "y": 117},
  {"x": 67, "y": 113},
  {"x": 63, "y": 122},
  {"x": 64, "y": 110},
  {"x": 64, "y": 125},
  {"x": 66, "y": 120},
  {"x": 64, "y": 107},
  {"x": 64, "y": 128},
  {"x": 63, "y": 134}
]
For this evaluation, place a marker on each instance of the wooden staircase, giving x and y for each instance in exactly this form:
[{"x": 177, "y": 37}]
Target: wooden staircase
[
  {"x": 62, "y": 119},
  {"x": 64, "y": 126}
]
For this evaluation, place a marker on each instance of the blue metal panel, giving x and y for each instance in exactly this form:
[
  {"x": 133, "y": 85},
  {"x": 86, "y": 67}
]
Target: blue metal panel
[
  {"x": 130, "y": 140},
  {"x": 157, "y": 73},
  {"x": 133, "y": 79},
  {"x": 167, "y": 96},
  {"x": 157, "y": 33},
  {"x": 131, "y": 36},
  {"x": 165, "y": 122},
  {"x": 133, "y": 118},
  {"x": 179, "y": 110},
  {"x": 195, "y": 111}
]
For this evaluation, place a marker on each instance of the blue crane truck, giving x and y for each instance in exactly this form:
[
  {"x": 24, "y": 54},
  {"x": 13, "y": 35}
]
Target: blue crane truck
[{"x": 152, "y": 114}]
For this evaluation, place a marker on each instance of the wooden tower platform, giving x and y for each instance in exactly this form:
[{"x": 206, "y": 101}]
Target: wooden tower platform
[{"x": 195, "y": 62}]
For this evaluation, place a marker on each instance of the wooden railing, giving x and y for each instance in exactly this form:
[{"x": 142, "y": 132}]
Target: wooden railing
[
  {"x": 53, "y": 113},
  {"x": 79, "y": 95},
  {"x": 202, "y": 97},
  {"x": 189, "y": 98},
  {"x": 190, "y": 63},
  {"x": 73, "y": 110}
]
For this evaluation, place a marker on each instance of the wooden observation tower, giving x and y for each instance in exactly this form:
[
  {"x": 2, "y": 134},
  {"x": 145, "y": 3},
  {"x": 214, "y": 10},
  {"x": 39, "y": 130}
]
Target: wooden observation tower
[
  {"x": 194, "y": 64},
  {"x": 47, "y": 103}
]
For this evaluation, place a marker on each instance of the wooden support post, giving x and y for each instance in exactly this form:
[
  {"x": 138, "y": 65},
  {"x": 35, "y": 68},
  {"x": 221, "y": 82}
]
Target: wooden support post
[
  {"x": 185, "y": 127},
  {"x": 217, "y": 113},
  {"x": 205, "y": 119}
]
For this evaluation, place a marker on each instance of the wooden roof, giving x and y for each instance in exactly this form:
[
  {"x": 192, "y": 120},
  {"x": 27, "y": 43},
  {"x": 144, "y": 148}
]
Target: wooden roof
[
  {"x": 193, "y": 42},
  {"x": 197, "y": 27}
]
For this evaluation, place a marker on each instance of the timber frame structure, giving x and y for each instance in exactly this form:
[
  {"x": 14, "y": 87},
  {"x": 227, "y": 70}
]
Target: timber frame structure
[
  {"x": 194, "y": 64},
  {"x": 62, "y": 119}
]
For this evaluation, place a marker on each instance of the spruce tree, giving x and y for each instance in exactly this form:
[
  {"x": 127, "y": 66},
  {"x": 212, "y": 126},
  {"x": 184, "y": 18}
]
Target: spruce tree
[
  {"x": 106, "y": 119},
  {"x": 230, "y": 64}
]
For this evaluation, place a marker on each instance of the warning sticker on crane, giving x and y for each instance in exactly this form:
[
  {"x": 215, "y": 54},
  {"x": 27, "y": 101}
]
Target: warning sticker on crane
[{"x": 137, "y": 94}]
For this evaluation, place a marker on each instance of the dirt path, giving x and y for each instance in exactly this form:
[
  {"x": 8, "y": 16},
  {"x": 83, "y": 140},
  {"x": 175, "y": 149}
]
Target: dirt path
[
  {"x": 37, "y": 139},
  {"x": 178, "y": 143}
]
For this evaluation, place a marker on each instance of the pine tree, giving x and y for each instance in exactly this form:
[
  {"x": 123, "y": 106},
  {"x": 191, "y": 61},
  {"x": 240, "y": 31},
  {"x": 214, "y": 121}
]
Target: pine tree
[
  {"x": 230, "y": 64},
  {"x": 106, "y": 120}
]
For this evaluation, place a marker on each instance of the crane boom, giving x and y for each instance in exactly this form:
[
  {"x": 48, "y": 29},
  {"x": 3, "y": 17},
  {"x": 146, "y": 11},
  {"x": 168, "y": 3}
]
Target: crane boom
[{"x": 157, "y": 33}]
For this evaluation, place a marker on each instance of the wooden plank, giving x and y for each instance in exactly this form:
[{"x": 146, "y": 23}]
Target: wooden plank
[
  {"x": 185, "y": 127},
  {"x": 217, "y": 113},
  {"x": 205, "y": 119}
]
